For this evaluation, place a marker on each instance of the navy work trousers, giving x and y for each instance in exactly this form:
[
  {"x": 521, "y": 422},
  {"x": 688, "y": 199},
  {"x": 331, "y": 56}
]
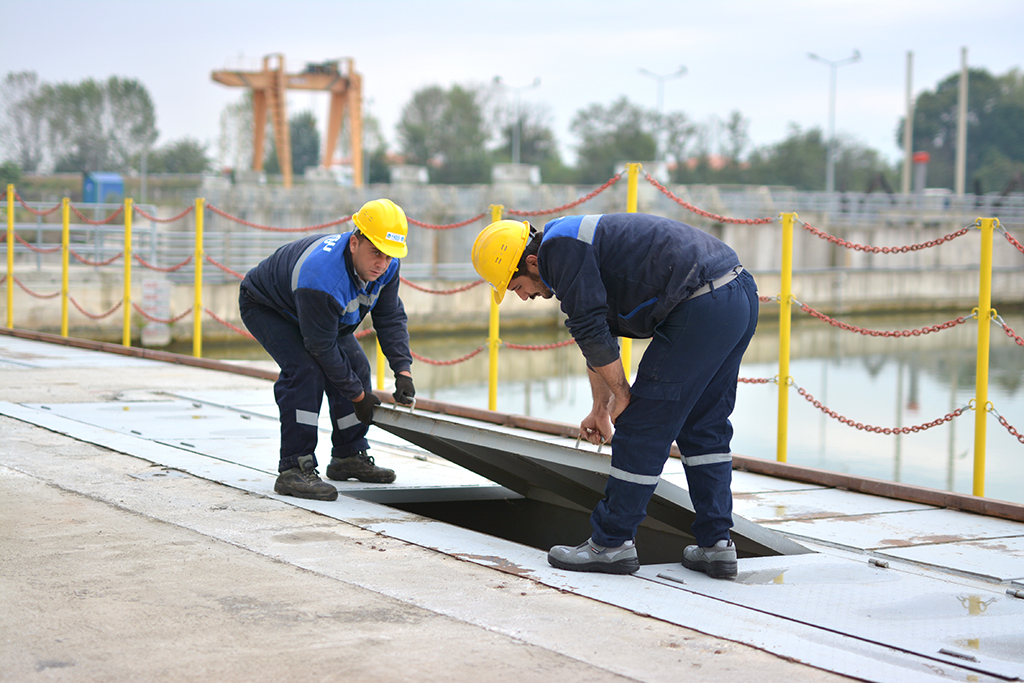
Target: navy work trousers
[
  {"x": 685, "y": 391},
  {"x": 301, "y": 386}
]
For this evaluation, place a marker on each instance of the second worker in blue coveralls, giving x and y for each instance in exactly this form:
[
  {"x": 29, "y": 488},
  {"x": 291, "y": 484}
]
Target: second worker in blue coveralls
[
  {"x": 302, "y": 303},
  {"x": 642, "y": 276}
]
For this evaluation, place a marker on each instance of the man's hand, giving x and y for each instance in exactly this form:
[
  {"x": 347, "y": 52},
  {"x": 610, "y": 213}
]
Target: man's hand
[
  {"x": 404, "y": 390},
  {"x": 364, "y": 407},
  {"x": 596, "y": 428}
]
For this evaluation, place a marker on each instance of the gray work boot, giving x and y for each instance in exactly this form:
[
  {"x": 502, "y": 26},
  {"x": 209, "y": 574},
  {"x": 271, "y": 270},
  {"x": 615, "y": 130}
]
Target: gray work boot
[
  {"x": 304, "y": 482},
  {"x": 590, "y": 557},
  {"x": 718, "y": 561},
  {"x": 359, "y": 466}
]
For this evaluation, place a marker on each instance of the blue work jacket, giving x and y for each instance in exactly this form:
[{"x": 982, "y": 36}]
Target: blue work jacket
[
  {"x": 621, "y": 274},
  {"x": 312, "y": 282}
]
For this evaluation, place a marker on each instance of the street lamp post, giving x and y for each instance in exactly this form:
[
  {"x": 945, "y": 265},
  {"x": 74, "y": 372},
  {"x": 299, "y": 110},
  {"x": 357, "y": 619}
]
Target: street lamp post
[
  {"x": 681, "y": 71},
  {"x": 830, "y": 165},
  {"x": 517, "y": 127}
]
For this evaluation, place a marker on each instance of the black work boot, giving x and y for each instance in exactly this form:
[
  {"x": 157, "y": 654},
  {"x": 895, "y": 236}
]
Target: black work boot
[
  {"x": 304, "y": 482},
  {"x": 359, "y": 466}
]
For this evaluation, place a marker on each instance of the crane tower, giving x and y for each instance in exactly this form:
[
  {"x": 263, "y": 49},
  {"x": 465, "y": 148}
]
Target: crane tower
[{"x": 269, "y": 88}]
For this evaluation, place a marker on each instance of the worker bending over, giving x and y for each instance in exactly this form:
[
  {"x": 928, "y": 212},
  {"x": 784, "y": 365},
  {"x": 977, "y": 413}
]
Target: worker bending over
[
  {"x": 642, "y": 276},
  {"x": 302, "y": 304}
]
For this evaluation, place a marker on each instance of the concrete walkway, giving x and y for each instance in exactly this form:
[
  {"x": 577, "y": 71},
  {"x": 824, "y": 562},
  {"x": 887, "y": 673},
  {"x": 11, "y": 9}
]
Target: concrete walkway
[{"x": 114, "y": 569}]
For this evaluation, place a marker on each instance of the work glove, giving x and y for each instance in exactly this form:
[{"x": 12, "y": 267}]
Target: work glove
[
  {"x": 364, "y": 408},
  {"x": 404, "y": 390}
]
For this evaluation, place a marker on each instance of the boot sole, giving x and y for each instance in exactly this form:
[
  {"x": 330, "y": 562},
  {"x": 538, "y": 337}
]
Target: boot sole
[
  {"x": 716, "y": 570},
  {"x": 627, "y": 567},
  {"x": 334, "y": 476},
  {"x": 308, "y": 496}
]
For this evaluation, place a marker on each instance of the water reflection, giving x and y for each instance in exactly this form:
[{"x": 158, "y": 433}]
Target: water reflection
[{"x": 882, "y": 382}]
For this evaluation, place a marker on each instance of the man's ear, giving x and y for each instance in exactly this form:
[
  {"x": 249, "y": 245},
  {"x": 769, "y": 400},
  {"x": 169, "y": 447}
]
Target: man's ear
[
  {"x": 531, "y": 260},
  {"x": 353, "y": 243}
]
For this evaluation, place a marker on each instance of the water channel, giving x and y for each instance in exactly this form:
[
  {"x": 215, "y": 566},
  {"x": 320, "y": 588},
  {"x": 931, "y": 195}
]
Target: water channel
[{"x": 876, "y": 381}]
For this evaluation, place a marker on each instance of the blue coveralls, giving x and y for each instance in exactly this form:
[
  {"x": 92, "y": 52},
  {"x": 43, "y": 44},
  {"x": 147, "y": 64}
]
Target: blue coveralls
[
  {"x": 302, "y": 303},
  {"x": 636, "y": 275}
]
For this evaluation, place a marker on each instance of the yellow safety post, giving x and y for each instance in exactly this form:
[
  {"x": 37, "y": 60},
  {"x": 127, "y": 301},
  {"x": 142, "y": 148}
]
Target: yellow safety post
[
  {"x": 785, "y": 317},
  {"x": 493, "y": 340},
  {"x": 10, "y": 256},
  {"x": 126, "y": 327},
  {"x": 985, "y": 314},
  {"x": 197, "y": 306},
  {"x": 65, "y": 242},
  {"x": 380, "y": 366},
  {"x": 633, "y": 174}
]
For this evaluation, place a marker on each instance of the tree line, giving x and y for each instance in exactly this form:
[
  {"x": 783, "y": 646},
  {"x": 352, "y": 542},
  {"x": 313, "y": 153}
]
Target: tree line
[{"x": 459, "y": 132}]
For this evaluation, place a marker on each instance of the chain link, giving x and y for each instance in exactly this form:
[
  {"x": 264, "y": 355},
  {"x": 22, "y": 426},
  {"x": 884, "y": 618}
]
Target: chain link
[
  {"x": 145, "y": 215},
  {"x": 877, "y": 430},
  {"x": 38, "y": 250},
  {"x": 225, "y": 323},
  {"x": 1009, "y": 332},
  {"x": 1011, "y": 240},
  {"x": 449, "y": 226},
  {"x": 82, "y": 259},
  {"x": 464, "y": 288},
  {"x": 886, "y": 250},
  {"x": 1002, "y": 420},
  {"x": 108, "y": 219},
  {"x": 701, "y": 212},
  {"x": 34, "y": 212},
  {"x": 95, "y": 316},
  {"x": 168, "y": 269},
  {"x": 877, "y": 333},
  {"x": 30, "y": 292},
  {"x": 271, "y": 228},
  {"x": 153, "y": 318},
  {"x": 565, "y": 207},
  {"x": 224, "y": 268}
]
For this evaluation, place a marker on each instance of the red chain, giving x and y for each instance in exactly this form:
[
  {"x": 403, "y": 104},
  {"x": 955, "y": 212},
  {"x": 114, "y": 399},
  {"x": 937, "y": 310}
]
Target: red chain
[
  {"x": 34, "y": 294},
  {"x": 1010, "y": 333},
  {"x": 224, "y": 268},
  {"x": 877, "y": 333},
  {"x": 450, "y": 226},
  {"x": 558, "y": 209},
  {"x": 33, "y": 211},
  {"x": 162, "y": 220},
  {"x": 885, "y": 250},
  {"x": 1011, "y": 240},
  {"x": 1009, "y": 427},
  {"x": 701, "y": 212},
  {"x": 879, "y": 430},
  {"x": 90, "y": 315},
  {"x": 106, "y": 220},
  {"x": 471, "y": 285},
  {"x": 153, "y": 318},
  {"x": 768, "y": 299},
  {"x": 82, "y": 259},
  {"x": 228, "y": 325},
  {"x": 449, "y": 362},
  {"x": 367, "y": 331},
  {"x": 271, "y": 228},
  {"x": 756, "y": 380},
  {"x": 539, "y": 347},
  {"x": 169, "y": 269},
  {"x": 38, "y": 250}
]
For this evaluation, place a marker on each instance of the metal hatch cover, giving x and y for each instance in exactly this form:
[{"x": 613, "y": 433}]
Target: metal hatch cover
[{"x": 522, "y": 461}]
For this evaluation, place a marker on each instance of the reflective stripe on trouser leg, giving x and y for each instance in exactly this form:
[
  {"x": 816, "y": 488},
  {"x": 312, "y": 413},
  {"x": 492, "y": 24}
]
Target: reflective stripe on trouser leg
[
  {"x": 710, "y": 486},
  {"x": 348, "y": 434},
  {"x": 299, "y": 387}
]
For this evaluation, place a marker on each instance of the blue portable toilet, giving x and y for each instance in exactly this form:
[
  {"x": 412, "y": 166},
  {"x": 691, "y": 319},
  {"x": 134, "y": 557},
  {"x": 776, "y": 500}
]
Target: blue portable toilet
[{"x": 102, "y": 188}]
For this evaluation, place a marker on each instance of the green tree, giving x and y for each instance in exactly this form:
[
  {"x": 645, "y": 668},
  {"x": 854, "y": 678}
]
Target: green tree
[
  {"x": 10, "y": 173},
  {"x": 446, "y": 130},
  {"x": 798, "y": 160},
  {"x": 305, "y": 139},
  {"x": 608, "y": 135},
  {"x": 186, "y": 155},
  {"x": 995, "y": 128},
  {"x": 22, "y": 125}
]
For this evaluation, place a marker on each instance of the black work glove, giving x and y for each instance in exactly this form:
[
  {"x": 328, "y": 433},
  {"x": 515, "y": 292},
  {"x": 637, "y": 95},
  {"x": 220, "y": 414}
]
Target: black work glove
[
  {"x": 364, "y": 408},
  {"x": 404, "y": 390}
]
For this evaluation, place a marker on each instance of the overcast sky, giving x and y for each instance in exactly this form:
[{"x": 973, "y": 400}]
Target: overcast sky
[{"x": 745, "y": 55}]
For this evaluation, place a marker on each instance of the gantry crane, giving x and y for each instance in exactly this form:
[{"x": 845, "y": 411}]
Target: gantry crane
[{"x": 269, "y": 88}]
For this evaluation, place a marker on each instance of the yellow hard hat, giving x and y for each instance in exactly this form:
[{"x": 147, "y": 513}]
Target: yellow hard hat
[
  {"x": 384, "y": 223},
  {"x": 496, "y": 253}
]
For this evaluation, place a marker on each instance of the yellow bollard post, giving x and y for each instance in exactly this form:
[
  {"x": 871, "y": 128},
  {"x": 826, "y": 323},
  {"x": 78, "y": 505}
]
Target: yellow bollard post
[
  {"x": 985, "y": 314},
  {"x": 493, "y": 340},
  {"x": 126, "y": 326},
  {"x": 10, "y": 256},
  {"x": 785, "y": 318},
  {"x": 380, "y": 366},
  {"x": 65, "y": 242},
  {"x": 197, "y": 306},
  {"x": 633, "y": 175}
]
